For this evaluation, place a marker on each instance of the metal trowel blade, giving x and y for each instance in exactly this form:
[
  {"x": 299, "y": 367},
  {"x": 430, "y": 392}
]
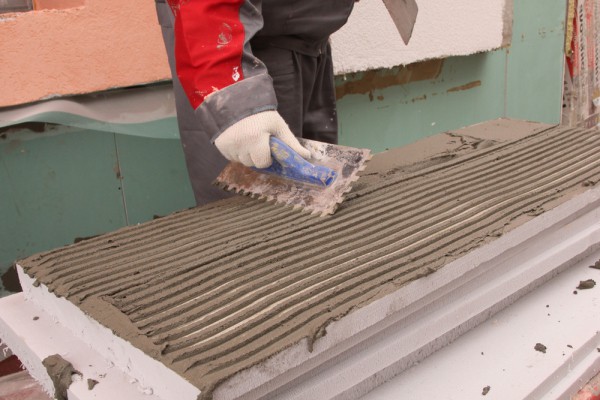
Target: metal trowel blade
[
  {"x": 404, "y": 14},
  {"x": 346, "y": 161}
]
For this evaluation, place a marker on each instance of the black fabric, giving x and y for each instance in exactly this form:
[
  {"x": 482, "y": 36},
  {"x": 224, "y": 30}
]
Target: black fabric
[
  {"x": 309, "y": 20},
  {"x": 312, "y": 48},
  {"x": 294, "y": 46},
  {"x": 305, "y": 90}
]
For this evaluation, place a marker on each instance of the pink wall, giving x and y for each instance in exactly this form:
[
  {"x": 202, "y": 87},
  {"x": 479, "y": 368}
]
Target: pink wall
[{"x": 101, "y": 45}]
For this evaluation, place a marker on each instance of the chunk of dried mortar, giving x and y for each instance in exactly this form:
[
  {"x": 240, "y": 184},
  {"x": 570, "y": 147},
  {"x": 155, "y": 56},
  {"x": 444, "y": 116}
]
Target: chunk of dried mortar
[
  {"x": 587, "y": 284},
  {"x": 540, "y": 347},
  {"x": 91, "y": 383},
  {"x": 61, "y": 372}
]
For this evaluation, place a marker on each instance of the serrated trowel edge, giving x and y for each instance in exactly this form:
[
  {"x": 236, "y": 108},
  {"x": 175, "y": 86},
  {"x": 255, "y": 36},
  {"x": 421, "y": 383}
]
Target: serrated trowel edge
[{"x": 300, "y": 196}]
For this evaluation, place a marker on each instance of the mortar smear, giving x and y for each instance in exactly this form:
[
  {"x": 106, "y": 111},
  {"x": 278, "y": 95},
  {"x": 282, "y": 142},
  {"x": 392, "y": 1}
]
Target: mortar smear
[{"x": 61, "y": 373}]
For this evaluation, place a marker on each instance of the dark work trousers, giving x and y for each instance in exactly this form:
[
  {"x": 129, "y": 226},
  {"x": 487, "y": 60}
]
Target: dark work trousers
[
  {"x": 305, "y": 90},
  {"x": 304, "y": 86}
]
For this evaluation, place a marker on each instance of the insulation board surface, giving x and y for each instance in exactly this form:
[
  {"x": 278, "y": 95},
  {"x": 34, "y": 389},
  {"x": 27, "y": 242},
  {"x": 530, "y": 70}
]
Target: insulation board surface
[{"x": 215, "y": 290}]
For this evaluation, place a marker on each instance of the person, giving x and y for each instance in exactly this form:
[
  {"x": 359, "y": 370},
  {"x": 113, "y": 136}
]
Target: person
[{"x": 247, "y": 69}]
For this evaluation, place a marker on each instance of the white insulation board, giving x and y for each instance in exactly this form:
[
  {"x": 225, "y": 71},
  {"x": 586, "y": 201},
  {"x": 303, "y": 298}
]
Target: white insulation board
[{"x": 444, "y": 28}]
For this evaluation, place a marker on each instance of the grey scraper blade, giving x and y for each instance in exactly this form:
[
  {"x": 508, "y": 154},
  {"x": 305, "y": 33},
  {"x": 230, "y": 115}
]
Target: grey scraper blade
[{"x": 404, "y": 14}]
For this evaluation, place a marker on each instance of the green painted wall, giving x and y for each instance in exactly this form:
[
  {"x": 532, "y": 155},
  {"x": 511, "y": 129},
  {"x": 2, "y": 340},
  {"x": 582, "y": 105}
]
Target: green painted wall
[
  {"x": 89, "y": 178},
  {"x": 66, "y": 183},
  {"x": 154, "y": 177},
  {"x": 534, "y": 70},
  {"x": 402, "y": 114},
  {"x": 522, "y": 81}
]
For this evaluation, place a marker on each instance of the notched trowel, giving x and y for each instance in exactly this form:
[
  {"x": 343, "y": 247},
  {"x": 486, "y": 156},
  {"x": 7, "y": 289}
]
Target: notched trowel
[{"x": 317, "y": 185}]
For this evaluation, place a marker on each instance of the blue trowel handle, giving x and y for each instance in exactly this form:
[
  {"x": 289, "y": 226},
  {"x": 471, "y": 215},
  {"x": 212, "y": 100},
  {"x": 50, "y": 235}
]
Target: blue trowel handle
[{"x": 289, "y": 164}]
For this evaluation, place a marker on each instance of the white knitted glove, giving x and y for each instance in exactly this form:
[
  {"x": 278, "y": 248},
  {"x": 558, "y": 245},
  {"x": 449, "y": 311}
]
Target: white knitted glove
[{"x": 247, "y": 141}]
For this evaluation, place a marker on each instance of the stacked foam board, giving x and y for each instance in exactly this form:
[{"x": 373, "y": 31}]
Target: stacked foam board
[{"x": 246, "y": 300}]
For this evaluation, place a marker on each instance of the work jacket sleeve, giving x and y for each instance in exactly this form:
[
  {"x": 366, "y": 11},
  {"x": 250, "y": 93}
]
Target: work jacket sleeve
[{"x": 222, "y": 79}]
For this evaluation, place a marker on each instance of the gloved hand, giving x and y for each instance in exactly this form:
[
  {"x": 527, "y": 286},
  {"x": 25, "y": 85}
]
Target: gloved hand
[{"x": 247, "y": 141}]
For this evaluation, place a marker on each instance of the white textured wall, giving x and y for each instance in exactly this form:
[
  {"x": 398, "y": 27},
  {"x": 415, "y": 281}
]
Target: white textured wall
[{"x": 444, "y": 28}]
